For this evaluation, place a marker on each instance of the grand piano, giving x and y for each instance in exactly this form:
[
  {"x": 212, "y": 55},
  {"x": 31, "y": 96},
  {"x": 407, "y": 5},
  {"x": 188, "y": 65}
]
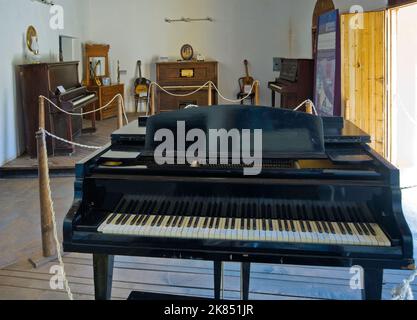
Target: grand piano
[
  {"x": 60, "y": 83},
  {"x": 323, "y": 198}
]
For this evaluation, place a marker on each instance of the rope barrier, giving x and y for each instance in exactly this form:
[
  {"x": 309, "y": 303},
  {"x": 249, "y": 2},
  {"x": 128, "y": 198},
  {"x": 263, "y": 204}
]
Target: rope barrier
[
  {"x": 305, "y": 102},
  {"x": 45, "y": 132},
  {"x": 208, "y": 83},
  {"x": 92, "y": 111},
  {"x": 55, "y": 229},
  {"x": 404, "y": 291}
]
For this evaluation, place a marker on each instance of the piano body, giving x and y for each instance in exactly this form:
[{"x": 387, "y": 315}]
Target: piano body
[
  {"x": 60, "y": 83},
  {"x": 295, "y": 84},
  {"x": 323, "y": 198}
]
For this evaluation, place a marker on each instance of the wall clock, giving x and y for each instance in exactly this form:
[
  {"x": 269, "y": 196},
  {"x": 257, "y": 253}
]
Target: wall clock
[{"x": 187, "y": 52}]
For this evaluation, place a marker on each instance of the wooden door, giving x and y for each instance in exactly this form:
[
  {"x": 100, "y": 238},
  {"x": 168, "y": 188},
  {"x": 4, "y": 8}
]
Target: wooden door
[{"x": 364, "y": 75}]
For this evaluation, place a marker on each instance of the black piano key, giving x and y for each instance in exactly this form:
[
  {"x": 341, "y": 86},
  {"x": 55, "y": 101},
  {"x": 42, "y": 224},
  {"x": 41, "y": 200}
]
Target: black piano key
[
  {"x": 292, "y": 225},
  {"x": 110, "y": 219},
  {"x": 139, "y": 220},
  {"x": 155, "y": 221},
  {"x": 286, "y": 225},
  {"x": 365, "y": 229},
  {"x": 217, "y": 223},
  {"x": 325, "y": 227},
  {"x": 271, "y": 225},
  {"x": 264, "y": 225},
  {"x": 196, "y": 222},
  {"x": 309, "y": 227},
  {"x": 133, "y": 221},
  {"x": 319, "y": 228},
  {"x": 371, "y": 229},
  {"x": 212, "y": 223},
  {"x": 161, "y": 218},
  {"x": 302, "y": 226},
  {"x": 119, "y": 220},
  {"x": 145, "y": 221},
  {"x": 190, "y": 222},
  {"x": 125, "y": 219},
  {"x": 233, "y": 224},
  {"x": 206, "y": 223},
  {"x": 175, "y": 221},
  {"x": 242, "y": 224},
  {"x": 228, "y": 223},
  {"x": 280, "y": 225}
]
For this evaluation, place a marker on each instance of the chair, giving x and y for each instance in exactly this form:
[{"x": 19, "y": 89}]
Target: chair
[
  {"x": 242, "y": 93},
  {"x": 139, "y": 98}
]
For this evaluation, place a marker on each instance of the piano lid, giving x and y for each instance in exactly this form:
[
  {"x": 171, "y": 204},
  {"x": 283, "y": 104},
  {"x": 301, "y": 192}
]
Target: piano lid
[{"x": 285, "y": 134}]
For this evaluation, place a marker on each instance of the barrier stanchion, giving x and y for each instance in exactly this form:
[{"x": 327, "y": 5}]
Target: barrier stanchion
[
  {"x": 119, "y": 112},
  {"x": 48, "y": 247},
  {"x": 309, "y": 107},
  {"x": 257, "y": 103},
  {"x": 210, "y": 94}
]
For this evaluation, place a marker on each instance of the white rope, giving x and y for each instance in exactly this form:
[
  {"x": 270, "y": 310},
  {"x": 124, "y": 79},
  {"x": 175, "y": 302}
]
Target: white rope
[
  {"x": 307, "y": 101},
  {"x": 404, "y": 291},
  {"x": 55, "y": 229},
  {"x": 92, "y": 111},
  {"x": 197, "y": 90},
  {"x": 69, "y": 142}
]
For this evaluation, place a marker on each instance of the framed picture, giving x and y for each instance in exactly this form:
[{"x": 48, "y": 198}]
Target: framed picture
[{"x": 327, "y": 86}]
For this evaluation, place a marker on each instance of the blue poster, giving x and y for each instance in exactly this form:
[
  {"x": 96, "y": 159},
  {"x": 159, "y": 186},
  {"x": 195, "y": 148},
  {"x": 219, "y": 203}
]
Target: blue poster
[{"x": 327, "y": 81}]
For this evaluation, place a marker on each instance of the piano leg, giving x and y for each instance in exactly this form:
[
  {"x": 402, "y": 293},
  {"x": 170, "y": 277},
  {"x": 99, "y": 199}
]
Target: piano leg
[
  {"x": 373, "y": 284},
  {"x": 218, "y": 280},
  {"x": 103, "y": 276},
  {"x": 245, "y": 281},
  {"x": 273, "y": 99}
]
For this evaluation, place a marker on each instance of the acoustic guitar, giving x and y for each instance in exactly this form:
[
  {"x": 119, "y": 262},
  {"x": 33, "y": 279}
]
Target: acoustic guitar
[
  {"x": 247, "y": 80},
  {"x": 94, "y": 74},
  {"x": 141, "y": 84}
]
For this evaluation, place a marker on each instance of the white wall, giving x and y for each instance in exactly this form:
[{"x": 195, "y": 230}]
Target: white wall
[
  {"x": 243, "y": 29},
  {"x": 15, "y": 17}
]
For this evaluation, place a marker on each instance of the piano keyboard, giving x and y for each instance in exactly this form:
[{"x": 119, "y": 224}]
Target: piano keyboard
[
  {"x": 284, "y": 222},
  {"x": 82, "y": 100}
]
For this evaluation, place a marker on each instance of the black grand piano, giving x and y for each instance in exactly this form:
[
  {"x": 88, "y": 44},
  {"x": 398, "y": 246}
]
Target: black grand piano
[{"x": 322, "y": 198}]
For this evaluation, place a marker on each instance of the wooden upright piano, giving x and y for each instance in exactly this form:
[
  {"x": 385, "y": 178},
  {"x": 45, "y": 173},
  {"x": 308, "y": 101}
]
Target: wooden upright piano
[
  {"x": 183, "y": 77},
  {"x": 60, "y": 83},
  {"x": 295, "y": 83}
]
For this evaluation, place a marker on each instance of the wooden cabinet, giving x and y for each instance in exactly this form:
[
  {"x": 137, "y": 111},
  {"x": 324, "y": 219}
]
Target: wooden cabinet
[
  {"x": 181, "y": 78},
  {"x": 105, "y": 94}
]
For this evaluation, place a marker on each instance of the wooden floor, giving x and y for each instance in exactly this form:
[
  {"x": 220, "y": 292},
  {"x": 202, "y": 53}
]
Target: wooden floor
[
  {"x": 99, "y": 138},
  {"x": 190, "y": 278}
]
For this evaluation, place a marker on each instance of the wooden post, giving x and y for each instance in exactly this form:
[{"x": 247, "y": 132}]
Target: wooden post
[
  {"x": 153, "y": 100},
  {"x": 257, "y": 93},
  {"x": 48, "y": 248},
  {"x": 119, "y": 113},
  {"x": 210, "y": 94},
  {"x": 309, "y": 107}
]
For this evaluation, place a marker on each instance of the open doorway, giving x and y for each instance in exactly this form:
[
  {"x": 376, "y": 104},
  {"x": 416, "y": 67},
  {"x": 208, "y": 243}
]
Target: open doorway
[{"x": 403, "y": 92}]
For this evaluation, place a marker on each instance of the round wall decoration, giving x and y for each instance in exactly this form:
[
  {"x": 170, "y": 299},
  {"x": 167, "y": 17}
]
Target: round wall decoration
[{"x": 187, "y": 52}]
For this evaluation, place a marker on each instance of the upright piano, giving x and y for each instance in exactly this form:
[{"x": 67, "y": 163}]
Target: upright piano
[
  {"x": 60, "y": 83},
  {"x": 295, "y": 83},
  {"x": 323, "y": 198}
]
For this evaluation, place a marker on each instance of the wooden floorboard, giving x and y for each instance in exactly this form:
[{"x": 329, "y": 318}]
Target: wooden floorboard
[
  {"x": 191, "y": 278},
  {"x": 99, "y": 138}
]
